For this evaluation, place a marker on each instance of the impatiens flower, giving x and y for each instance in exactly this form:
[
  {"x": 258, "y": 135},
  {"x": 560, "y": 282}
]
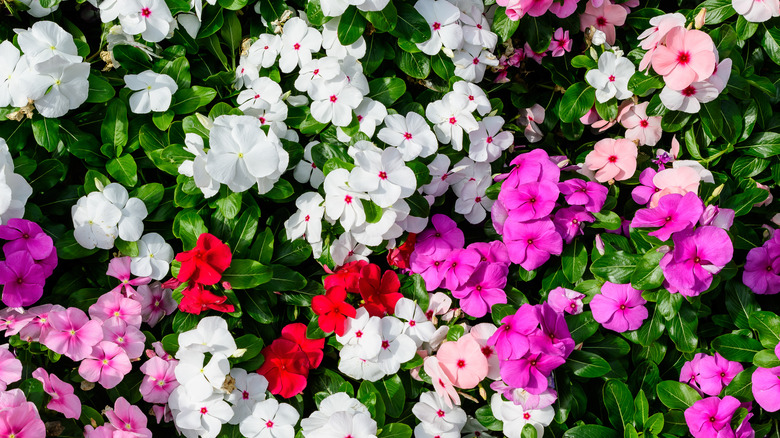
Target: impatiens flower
[
  {"x": 332, "y": 310},
  {"x": 604, "y": 17},
  {"x": 108, "y": 364},
  {"x": 483, "y": 289},
  {"x": 612, "y": 159},
  {"x": 690, "y": 98},
  {"x": 115, "y": 305},
  {"x": 442, "y": 16},
  {"x": 154, "y": 257},
  {"x": 619, "y": 307},
  {"x": 22, "y": 280},
  {"x": 72, "y": 333},
  {"x": 696, "y": 257},
  {"x": 299, "y": 41},
  {"x": 611, "y": 78},
  {"x": 159, "y": 380},
  {"x": 565, "y": 300},
  {"x": 206, "y": 262},
  {"x": 759, "y": 274},
  {"x": 641, "y": 127},
  {"x": 589, "y": 194},
  {"x": 687, "y": 56},
  {"x": 383, "y": 175},
  {"x": 270, "y": 419},
  {"x": 757, "y": 11},
  {"x": 463, "y": 362},
  {"x": 674, "y": 213},
  {"x": 530, "y": 244},
  {"x": 153, "y": 91},
  {"x": 10, "y": 368},
  {"x": 150, "y": 18},
  {"x": 711, "y": 417},
  {"x": 129, "y": 419},
  {"x": 716, "y": 372},
  {"x": 561, "y": 43},
  {"x": 411, "y": 135},
  {"x": 24, "y": 235},
  {"x": 63, "y": 399},
  {"x": 766, "y": 388}
]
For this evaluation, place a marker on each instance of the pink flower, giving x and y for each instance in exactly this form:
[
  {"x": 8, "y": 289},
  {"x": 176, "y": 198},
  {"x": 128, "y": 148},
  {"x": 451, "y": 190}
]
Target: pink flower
[
  {"x": 72, "y": 333},
  {"x": 24, "y": 235},
  {"x": 612, "y": 159},
  {"x": 129, "y": 338},
  {"x": 696, "y": 257},
  {"x": 674, "y": 213},
  {"x": 10, "y": 368},
  {"x": 589, "y": 194},
  {"x": 511, "y": 340},
  {"x": 108, "y": 364},
  {"x": 119, "y": 268},
  {"x": 604, "y": 17},
  {"x": 21, "y": 421},
  {"x": 515, "y": 9},
  {"x": 565, "y": 300},
  {"x": 641, "y": 127},
  {"x": 444, "y": 237},
  {"x": 652, "y": 37},
  {"x": 530, "y": 372},
  {"x": 156, "y": 302},
  {"x": 570, "y": 221},
  {"x": 716, "y": 372},
  {"x": 115, "y": 305},
  {"x": 128, "y": 419},
  {"x": 688, "y": 57},
  {"x": 619, "y": 307},
  {"x": 481, "y": 333},
  {"x": 757, "y": 11},
  {"x": 159, "y": 380},
  {"x": 459, "y": 265},
  {"x": 676, "y": 180},
  {"x": 483, "y": 289},
  {"x": 63, "y": 400},
  {"x": 711, "y": 417},
  {"x": 561, "y": 43},
  {"x": 690, "y": 98},
  {"x": 690, "y": 372},
  {"x": 766, "y": 388},
  {"x": 563, "y": 8},
  {"x": 529, "y": 53},
  {"x": 463, "y": 362},
  {"x": 530, "y": 244},
  {"x": 533, "y": 200},
  {"x": 38, "y": 324},
  {"x": 105, "y": 431},
  {"x": 441, "y": 382},
  {"x": 531, "y": 118},
  {"x": 759, "y": 274}
]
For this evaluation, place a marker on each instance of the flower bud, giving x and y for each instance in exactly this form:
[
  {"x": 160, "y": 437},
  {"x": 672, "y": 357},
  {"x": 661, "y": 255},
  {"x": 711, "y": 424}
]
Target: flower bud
[{"x": 698, "y": 22}]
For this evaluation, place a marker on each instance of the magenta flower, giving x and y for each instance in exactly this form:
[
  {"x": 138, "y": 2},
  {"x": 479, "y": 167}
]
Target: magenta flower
[
  {"x": 128, "y": 337},
  {"x": 589, "y": 194},
  {"x": 443, "y": 238},
  {"x": 716, "y": 372},
  {"x": 38, "y": 324},
  {"x": 766, "y": 388},
  {"x": 483, "y": 289},
  {"x": 493, "y": 252},
  {"x": 530, "y": 371},
  {"x": 10, "y": 368},
  {"x": 604, "y": 17},
  {"x": 533, "y": 200},
  {"x": 108, "y": 364},
  {"x": 115, "y": 305},
  {"x": 128, "y": 419},
  {"x": 159, "y": 380},
  {"x": 72, "y": 333},
  {"x": 759, "y": 274},
  {"x": 711, "y": 417},
  {"x": 689, "y": 56},
  {"x": 696, "y": 257},
  {"x": 570, "y": 222},
  {"x": 619, "y": 307},
  {"x": 561, "y": 43},
  {"x": 718, "y": 217},
  {"x": 21, "y": 421},
  {"x": 531, "y": 166},
  {"x": 646, "y": 189},
  {"x": 156, "y": 302},
  {"x": 63, "y": 400},
  {"x": 458, "y": 267},
  {"x": 431, "y": 269},
  {"x": 511, "y": 339},
  {"x": 24, "y": 235},
  {"x": 554, "y": 335},
  {"x": 565, "y": 300},
  {"x": 674, "y": 213},
  {"x": 22, "y": 280},
  {"x": 530, "y": 244},
  {"x": 119, "y": 268},
  {"x": 690, "y": 372}
]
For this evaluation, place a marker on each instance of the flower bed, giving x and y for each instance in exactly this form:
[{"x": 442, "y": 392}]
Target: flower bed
[{"x": 389, "y": 218}]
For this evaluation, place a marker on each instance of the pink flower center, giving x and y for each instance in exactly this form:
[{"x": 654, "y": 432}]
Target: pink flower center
[
  {"x": 257, "y": 96},
  {"x": 385, "y": 345},
  {"x": 306, "y": 219},
  {"x": 683, "y": 58},
  {"x": 412, "y": 323},
  {"x": 146, "y": 12},
  {"x": 489, "y": 140},
  {"x": 269, "y": 424},
  {"x": 527, "y": 416},
  {"x": 461, "y": 363},
  {"x": 688, "y": 91},
  {"x": 245, "y": 395},
  {"x": 612, "y": 158},
  {"x": 478, "y": 199},
  {"x": 453, "y": 120},
  {"x": 316, "y": 71},
  {"x": 471, "y": 97},
  {"x": 296, "y": 46},
  {"x": 408, "y": 135},
  {"x": 348, "y": 199},
  {"x": 333, "y": 98},
  {"x": 440, "y": 413},
  {"x": 487, "y": 351},
  {"x": 644, "y": 123},
  {"x": 612, "y": 78},
  {"x": 479, "y": 26},
  {"x": 265, "y": 48},
  {"x": 203, "y": 410},
  {"x": 436, "y": 25},
  {"x": 696, "y": 259},
  {"x": 622, "y": 307},
  {"x": 601, "y": 21},
  {"x": 383, "y": 175},
  {"x": 530, "y": 241},
  {"x": 358, "y": 334},
  {"x": 262, "y": 120},
  {"x": 475, "y": 61}
]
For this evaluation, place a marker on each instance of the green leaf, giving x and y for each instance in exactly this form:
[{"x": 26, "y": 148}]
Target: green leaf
[
  {"x": 590, "y": 431},
  {"x": 411, "y": 25},
  {"x": 738, "y": 348},
  {"x": 284, "y": 279},
  {"x": 124, "y": 170},
  {"x": 762, "y": 144},
  {"x": 271, "y": 10},
  {"x": 231, "y": 30},
  {"x": 127, "y": 248},
  {"x": 741, "y": 386},
  {"x": 256, "y": 305},
  {"x": 99, "y": 89},
  {"x": 46, "y": 132},
  {"x": 244, "y": 232},
  {"x": 641, "y": 409},
  {"x": 386, "y": 90},
  {"x": 131, "y": 58},
  {"x": 588, "y": 365},
  {"x": 395, "y": 430},
  {"x": 669, "y": 304},
  {"x": 576, "y": 102},
  {"x": 537, "y": 33},
  {"x": 682, "y": 329},
  {"x": 393, "y": 395},
  {"x": 246, "y": 274},
  {"x": 292, "y": 253},
  {"x": 188, "y": 226},
  {"x": 767, "y": 324},
  {"x": 748, "y": 167},
  {"x": 766, "y": 359},
  {"x": 581, "y": 326},
  {"x": 188, "y": 100},
  {"x": 151, "y": 194},
  {"x": 771, "y": 42},
  {"x": 741, "y": 303},
  {"x": 114, "y": 128},
  {"x": 351, "y": 26},
  {"x": 574, "y": 260},
  {"x": 640, "y": 83},
  {"x": 619, "y": 402},
  {"x": 69, "y": 249},
  {"x": 162, "y": 120},
  {"x": 648, "y": 274},
  {"x": 416, "y": 65},
  {"x": 384, "y": 20},
  {"x": 233, "y": 5},
  {"x": 502, "y": 25},
  {"x": 676, "y": 395},
  {"x": 211, "y": 21},
  {"x": 717, "y": 11},
  {"x": 745, "y": 29},
  {"x": 617, "y": 267},
  {"x": 650, "y": 330}
]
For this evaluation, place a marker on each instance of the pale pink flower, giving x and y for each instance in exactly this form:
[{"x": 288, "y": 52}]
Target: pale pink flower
[
  {"x": 679, "y": 180},
  {"x": 156, "y": 302},
  {"x": 21, "y": 420},
  {"x": 128, "y": 337},
  {"x": 441, "y": 382},
  {"x": 612, "y": 159},
  {"x": 531, "y": 118},
  {"x": 690, "y": 98},
  {"x": 108, "y": 364},
  {"x": 481, "y": 333},
  {"x": 38, "y": 325},
  {"x": 105, "y": 431},
  {"x": 115, "y": 305},
  {"x": 688, "y": 57},
  {"x": 652, "y": 37},
  {"x": 159, "y": 379},
  {"x": 119, "y": 268},
  {"x": 463, "y": 362},
  {"x": 720, "y": 77},
  {"x": 128, "y": 419},
  {"x": 72, "y": 333},
  {"x": 641, "y": 127},
  {"x": 603, "y": 17},
  {"x": 63, "y": 400},
  {"x": 10, "y": 368}
]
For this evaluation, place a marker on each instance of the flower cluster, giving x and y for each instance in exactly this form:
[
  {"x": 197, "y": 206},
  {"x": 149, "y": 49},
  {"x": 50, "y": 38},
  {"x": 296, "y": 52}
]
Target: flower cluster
[
  {"x": 762, "y": 267},
  {"x": 709, "y": 374},
  {"x": 102, "y": 216},
  {"x": 124, "y": 418},
  {"x": 203, "y": 266},
  {"x": 339, "y": 415},
  {"x": 30, "y": 258},
  {"x": 289, "y": 359}
]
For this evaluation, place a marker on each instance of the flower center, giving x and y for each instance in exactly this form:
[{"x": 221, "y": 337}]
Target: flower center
[
  {"x": 383, "y": 175},
  {"x": 530, "y": 241},
  {"x": 696, "y": 259},
  {"x": 612, "y": 158},
  {"x": 683, "y": 58},
  {"x": 245, "y": 395},
  {"x": 612, "y": 78},
  {"x": 440, "y": 413},
  {"x": 203, "y": 410},
  {"x": 601, "y": 21},
  {"x": 358, "y": 334},
  {"x": 478, "y": 199},
  {"x": 407, "y": 135},
  {"x": 461, "y": 363},
  {"x": 644, "y": 123},
  {"x": 475, "y": 61},
  {"x": 333, "y": 98},
  {"x": 489, "y": 140},
  {"x": 296, "y": 46},
  {"x": 527, "y": 416},
  {"x": 348, "y": 199},
  {"x": 453, "y": 120},
  {"x": 146, "y": 12},
  {"x": 306, "y": 219},
  {"x": 316, "y": 71},
  {"x": 436, "y": 25},
  {"x": 412, "y": 323},
  {"x": 385, "y": 345},
  {"x": 269, "y": 424},
  {"x": 688, "y": 91},
  {"x": 487, "y": 351},
  {"x": 622, "y": 307}
]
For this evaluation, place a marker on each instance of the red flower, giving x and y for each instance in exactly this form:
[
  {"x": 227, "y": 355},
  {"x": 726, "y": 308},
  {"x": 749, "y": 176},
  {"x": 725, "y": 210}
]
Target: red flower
[
  {"x": 286, "y": 368},
  {"x": 312, "y": 348},
  {"x": 197, "y": 299},
  {"x": 346, "y": 276},
  {"x": 379, "y": 293},
  {"x": 332, "y": 310},
  {"x": 399, "y": 257},
  {"x": 206, "y": 262}
]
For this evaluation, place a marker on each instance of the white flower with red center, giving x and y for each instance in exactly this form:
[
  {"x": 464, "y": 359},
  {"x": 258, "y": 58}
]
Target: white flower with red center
[
  {"x": 440, "y": 176},
  {"x": 336, "y": 8},
  {"x": 690, "y": 98},
  {"x": 307, "y": 221},
  {"x": 249, "y": 390},
  {"x": 332, "y": 45},
  {"x": 210, "y": 336},
  {"x": 476, "y": 96},
  {"x": 270, "y": 419},
  {"x": 369, "y": 114},
  {"x": 442, "y": 16},
  {"x": 383, "y": 175},
  {"x": 397, "y": 347},
  {"x": 348, "y": 425},
  {"x": 531, "y": 118},
  {"x": 262, "y": 93},
  {"x": 299, "y": 41},
  {"x": 416, "y": 326},
  {"x": 373, "y": 233},
  {"x": 472, "y": 201},
  {"x": 757, "y": 11},
  {"x": 354, "y": 71},
  {"x": 329, "y": 406},
  {"x": 363, "y": 332},
  {"x": 436, "y": 416},
  {"x": 465, "y": 171},
  {"x": 306, "y": 171},
  {"x": 342, "y": 202},
  {"x": 451, "y": 118},
  {"x": 317, "y": 69},
  {"x": 273, "y": 117},
  {"x": 476, "y": 29},
  {"x": 515, "y": 417},
  {"x": 471, "y": 62},
  {"x": 347, "y": 249},
  {"x": 202, "y": 418},
  {"x": 150, "y": 18},
  {"x": 488, "y": 142},
  {"x": 334, "y": 100},
  {"x": 246, "y": 72},
  {"x": 265, "y": 50},
  {"x": 201, "y": 379},
  {"x": 611, "y": 78},
  {"x": 411, "y": 135}
]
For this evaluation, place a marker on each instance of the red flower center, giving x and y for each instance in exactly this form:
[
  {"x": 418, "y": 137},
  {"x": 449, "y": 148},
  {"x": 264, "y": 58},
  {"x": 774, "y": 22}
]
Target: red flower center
[
  {"x": 245, "y": 395},
  {"x": 348, "y": 199},
  {"x": 453, "y": 120},
  {"x": 360, "y": 118},
  {"x": 333, "y": 98},
  {"x": 358, "y": 334},
  {"x": 688, "y": 91},
  {"x": 203, "y": 410},
  {"x": 644, "y": 123},
  {"x": 383, "y": 175},
  {"x": 146, "y": 12},
  {"x": 316, "y": 71},
  {"x": 296, "y": 46},
  {"x": 527, "y": 416},
  {"x": 412, "y": 323},
  {"x": 683, "y": 58},
  {"x": 407, "y": 135},
  {"x": 461, "y": 363},
  {"x": 612, "y": 78},
  {"x": 385, "y": 345},
  {"x": 478, "y": 199},
  {"x": 440, "y": 413},
  {"x": 489, "y": 140},
  {"x": 622, "y": 307},
  {"x": 487, "y": 351},
  {"x": 436, "y": 25},
  {"x": 612, "y": 158},
  {"x": 269, "y": 424},
  {"x": 479, "y": 26},
  {"x": 475, "y": 61},
  {"x": 601, "y": 21},
  {"x": 306, "y": 219}
]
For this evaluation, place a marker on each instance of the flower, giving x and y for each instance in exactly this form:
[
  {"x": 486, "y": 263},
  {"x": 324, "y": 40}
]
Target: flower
[
  {"x": 565, "y": 300},
  {"x": 306, "y": 171},
  {"x": 128, "y": 418},
  {"x": 696, "y": 257},
  {"x": 604, "y": 17},
  {"x": 154, "y": 257},
  {"x": 531, "y": 243},
  {"x": 210, "y": 336},
  {"x": 45, "y": 40},
  {"x": 436, "y": 416},
  {"x": 711, "y": 416},
  {"x": 128, "y": 337},
  {"x": 249, "y": 390},
  {"x": 619, "y": 307},
  {"x": 24, "y": 235},
  {"x": 530, "y": 371},
  {"x": 444, "y": 237},
  {"x": 611, "y": 78},
  {"x": 159, "y": 380},
  {"x": 674, "y": 213},
  {"x": 115, "y": 305},
  {"x": 108, "y": 364},
  {"x": 417, "y": 327},
  {"x": 757, "y": 11},
  {"x": 205, "y": 417},
  {"x": 285, "y": 368},
  {"x": 716, "y": 372},
  {"x": 380, "y": 294},
  {"x": 270, "y": 419},
  {"x": 766, "y": 388},
  {"x": 119, "y": 268},
  {"x": 515, "y": 417},
  {"x": 332, "y": 310},
  {"x": 21, "y": 420},
  {"x": 690, "y": 98},
  {"x": 411, "y": 135},
  {"x": 196, "y": 168},
  {"x": 531, "y": 118},
  {"x": 307, "y": 221},
  {"x": 264, "y": 51},
  {"x": 688, "y": 56},
  {"x": 612, "y": 159},
  {"x": 442, "y": 16},
  {"x": 759, "y": 274},
  {"x": 561, "y": 43},
  {"x": 589, "y": 194},
  {"x": 483, "y": 289},
  {"x": 22, "y": 280},
  {"x": 641, "y": 127},
  {"x": 197, "y": 299},
  {"x": 153, "y": 91},
  {"x": 383, "y": 175},
  {"x": 72, "y": 333},
  {"x": 63, "y": 400},
  {"x": 529, "y": 201},
  {"x": 487, "y": 142},
  {"x": 463, "y": 362},
  {"x": 10, "y": 368},
  {"x": 205, "y": 263},
  {"x": 334, "y": 100},
  {"x": 343, "y": 202},
  {"x": 150, "y": 18},
  {"x": 299, "y": 41},
  {"x": 451, "y": 116}
]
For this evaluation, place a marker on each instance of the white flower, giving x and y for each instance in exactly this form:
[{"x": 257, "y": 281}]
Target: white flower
[
  {"x": 363, "y": 331},
  {"x": 265, "y": 50},
  {"x": 472, "y": 202},
  {"x": 261, "y": 93},
  {"x": 451, "y": 117},
  {"x": 242, "y": 154},
  {"x": 690, "y": 98},
  {"x": 372, "y": 234},
  {"x": 196, "y": 168},
  {"x": 487, "y": 142},
  {"x": 515, "y": 417},
  {"x": 9, "y": 58},
  {"x": 46, "y": 39},
  {"x": 202, "y": 418},
  {"x": 154, "y": 257},
  {"x": 306, "y": 171},
  {"x": 38, "y": 11},
  {"x": 383, "y": 175},
  {"x": 246, "y": 72},
  {"x": 66, "y": 83},
  {"x": 150, "y": 18},
  {"x": 14, "y": 189},
  {"x": 342, "y": 202},
  {"x": 757, "y": 11},
  {"x": 397, "y": 347},
  {"x": 332, "y": 45},
  {"x": 323, "y": 68},
  {"x": 721, "y": 76},
  {"x": 369, "y": 114},
  {"x": 334, "y": 100},
  {"x": 210, "y": 336},
  {"x": 346, "y": 249},
  {"x": 336, "y": 8},
  {"x": 249, "y": 390},
  {"x": 344, "y": 424},
  {"x": 417, "y": 326},
  {"x": 471, "y": 62},
  {"x": 440, "y": 176},
  {"x": 201, "y": 380},
  {"x": 476, "y": 96},
  {"x": 307, "y": 221},
  {"x": 95, "y": 220},
  {"x": 465, "y": 171},
  {"x": 443, "y": 17},
  {"x": 598, "y": 38},
  {"x": 354, "y": 71},
  {"x": 330, "y": 405},
  {"x": 154, "y": 92},
  {"x": 411, "y": 135},
  {"x": 111, "y": 9},
  {"x": 476, "y": 28},
  {"x": 270, "y": 419},
  {"x": 373, "y": 5},
  {"x": 530, "y": 118},
  {"x": 273, "y": 117},
  {"x": 611, "y": 78},
  {"x": 436, "y": 415},
  {"x": 299, "y": 41},
  {"x": 131, "y": 225}
]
